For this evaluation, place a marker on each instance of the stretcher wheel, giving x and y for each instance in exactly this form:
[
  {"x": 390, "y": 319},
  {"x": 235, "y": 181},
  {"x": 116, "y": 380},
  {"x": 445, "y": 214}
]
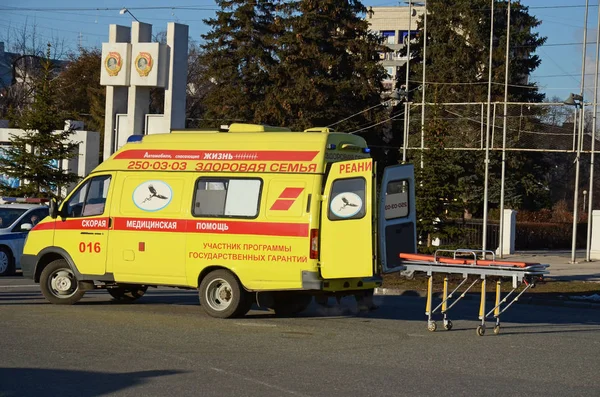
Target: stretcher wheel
[
  {"x": 431, "y": 326},
  {"x": 480, "y": 330},
  {"x": 496, "y": 330},
  {"x": 448, "y": 325}
]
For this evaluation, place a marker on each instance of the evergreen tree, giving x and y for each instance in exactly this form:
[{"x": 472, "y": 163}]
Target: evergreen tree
[
  {"x": 328, "y": 67},
  {"x": 36, "y": 156},
  {"x": 239, "y": 58},
  {"x": 458, "y": 33}
]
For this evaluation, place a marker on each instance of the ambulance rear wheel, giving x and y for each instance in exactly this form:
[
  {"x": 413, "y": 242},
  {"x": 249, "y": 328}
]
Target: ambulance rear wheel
[
  {"x": 59, "y": 284},
  {"x": 127, "y": 292},
  {"x": 7, "y": 262},
  {"x": 222, "y": 296}
]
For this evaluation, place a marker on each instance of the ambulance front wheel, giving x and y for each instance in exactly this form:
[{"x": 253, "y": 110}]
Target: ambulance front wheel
[
  {"x": 59, "y": 284},
  {"x": 222, "y": 296}
]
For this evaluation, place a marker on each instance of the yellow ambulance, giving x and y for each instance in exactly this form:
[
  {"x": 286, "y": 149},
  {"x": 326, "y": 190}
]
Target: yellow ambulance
[{"x": 248, "y": 214}]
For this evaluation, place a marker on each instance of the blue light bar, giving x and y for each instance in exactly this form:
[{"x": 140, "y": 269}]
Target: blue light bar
[
  {"x": 28, "y": 200},
  {"x": 135, "y": 138},
  {"x": 331, "y": 146},
  {"x": 366, "y": 150}
]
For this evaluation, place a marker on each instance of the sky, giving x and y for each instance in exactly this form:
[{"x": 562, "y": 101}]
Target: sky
[{"x": 85, "y": 23}]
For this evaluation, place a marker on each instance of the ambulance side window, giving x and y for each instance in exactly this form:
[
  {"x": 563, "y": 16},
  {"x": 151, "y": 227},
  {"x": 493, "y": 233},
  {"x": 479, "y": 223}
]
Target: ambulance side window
[
  {"x": 396, "y": 199},
  {"x": 347, "y": 199},
  {"x": 224, "y": 197},
  {"x": 90, "y": 198}
]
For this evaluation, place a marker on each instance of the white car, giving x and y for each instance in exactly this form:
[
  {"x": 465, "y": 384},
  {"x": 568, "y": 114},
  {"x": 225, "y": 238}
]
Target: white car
[{"x": 15, "y": 222}]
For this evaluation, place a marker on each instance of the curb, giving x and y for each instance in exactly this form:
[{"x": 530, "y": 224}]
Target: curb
[{"x": 525, "y": 299}]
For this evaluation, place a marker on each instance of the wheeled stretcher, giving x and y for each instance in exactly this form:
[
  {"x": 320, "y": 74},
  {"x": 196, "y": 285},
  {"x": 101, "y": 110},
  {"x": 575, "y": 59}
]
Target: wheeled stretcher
[{"x": 467, "y": 263}]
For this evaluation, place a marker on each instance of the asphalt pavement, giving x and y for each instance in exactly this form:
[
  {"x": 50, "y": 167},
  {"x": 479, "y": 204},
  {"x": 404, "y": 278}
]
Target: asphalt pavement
[{"x": 164, "y": 345}]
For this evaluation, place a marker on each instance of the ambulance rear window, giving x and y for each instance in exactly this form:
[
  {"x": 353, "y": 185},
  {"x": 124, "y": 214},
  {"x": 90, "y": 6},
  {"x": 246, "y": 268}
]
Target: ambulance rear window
[{"x": 225, "y": 197}]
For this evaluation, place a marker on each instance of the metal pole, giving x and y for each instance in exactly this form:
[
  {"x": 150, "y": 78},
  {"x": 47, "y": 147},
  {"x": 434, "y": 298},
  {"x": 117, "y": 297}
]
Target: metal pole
[
  {"x": 481, "y": 132},
  {"x": 493, "y": 127},
  {"x": 501, "y": 245},
  {"x": 408, "y": 43},
  {"x": 575, "y": 128},
  {"x": 487, "y": 135},
  {"x": 595, "y": 111},
  {"x": 406, "y": 107},
  {"x": 580, "y": 138},
  {"x": 423, "y": 85},
  {"x": 405, "y": 138}
]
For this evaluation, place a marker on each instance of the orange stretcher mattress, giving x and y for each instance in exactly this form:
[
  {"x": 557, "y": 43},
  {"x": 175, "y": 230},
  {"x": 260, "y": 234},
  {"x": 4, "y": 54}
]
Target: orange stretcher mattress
[{"x": 450, "y": 261}]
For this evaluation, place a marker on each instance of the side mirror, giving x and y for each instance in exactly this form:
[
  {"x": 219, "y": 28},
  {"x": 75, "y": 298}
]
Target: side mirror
[
  {"x": 53, "y": 211},
  {"x": 26, "y": 227}
]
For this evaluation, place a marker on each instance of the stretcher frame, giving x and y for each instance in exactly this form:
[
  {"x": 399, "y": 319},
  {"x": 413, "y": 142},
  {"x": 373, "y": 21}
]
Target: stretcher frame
[{"x": 521, "y": 273}]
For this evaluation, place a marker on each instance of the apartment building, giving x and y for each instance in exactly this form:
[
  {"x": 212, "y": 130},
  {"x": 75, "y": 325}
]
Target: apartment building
[{"x": 394, "y": 24}]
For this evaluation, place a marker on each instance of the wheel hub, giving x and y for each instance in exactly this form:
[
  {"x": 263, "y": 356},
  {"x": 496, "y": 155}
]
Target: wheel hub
[
  {"x": 224, "y": 293},
  {"x": 219, "y": 294},
  {"x": 63, "y": 283}
]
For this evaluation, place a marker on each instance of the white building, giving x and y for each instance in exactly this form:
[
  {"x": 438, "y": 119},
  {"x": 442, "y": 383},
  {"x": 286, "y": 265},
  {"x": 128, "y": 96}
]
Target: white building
[{"x": 394, "y": 24}]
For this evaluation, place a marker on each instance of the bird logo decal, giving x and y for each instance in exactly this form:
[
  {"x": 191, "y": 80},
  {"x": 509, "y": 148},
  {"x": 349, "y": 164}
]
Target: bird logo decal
[
  {"x": 152, "y": 195},
  {"x": 346, "y": 205}
]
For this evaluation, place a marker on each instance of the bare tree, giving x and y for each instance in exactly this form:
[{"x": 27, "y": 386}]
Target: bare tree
[{"x": 26, "y": 47}]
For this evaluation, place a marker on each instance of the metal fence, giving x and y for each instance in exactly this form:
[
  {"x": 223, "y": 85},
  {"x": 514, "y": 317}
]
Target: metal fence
[{"x": 543, "y": 134}]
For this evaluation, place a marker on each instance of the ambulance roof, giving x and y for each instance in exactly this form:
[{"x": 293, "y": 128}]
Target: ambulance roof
[{"x": 256, "y": 146}]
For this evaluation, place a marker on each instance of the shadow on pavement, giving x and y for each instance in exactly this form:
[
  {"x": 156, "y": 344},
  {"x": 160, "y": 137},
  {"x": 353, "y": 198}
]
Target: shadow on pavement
[{"x": 56, "y": 382}]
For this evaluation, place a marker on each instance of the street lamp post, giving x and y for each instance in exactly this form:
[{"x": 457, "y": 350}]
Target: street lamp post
[
  {"x": 577, "y": 101},
  {"x": 126, "y": 11}
]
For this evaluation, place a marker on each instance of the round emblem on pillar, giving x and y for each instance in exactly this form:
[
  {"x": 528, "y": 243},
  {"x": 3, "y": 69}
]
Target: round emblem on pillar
[
  {"x": 143, "y": 63},
  {"x": 113, "y": 63}
]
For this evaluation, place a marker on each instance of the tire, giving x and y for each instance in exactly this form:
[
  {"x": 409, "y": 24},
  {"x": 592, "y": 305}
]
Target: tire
[
  {"x": 59, "y": 284},
  {"x": 222, "y": 296},
  {"x": 7, "y": 262},
  {"x": 291, "y": 304},
  {"x": 127, "y": 293}
]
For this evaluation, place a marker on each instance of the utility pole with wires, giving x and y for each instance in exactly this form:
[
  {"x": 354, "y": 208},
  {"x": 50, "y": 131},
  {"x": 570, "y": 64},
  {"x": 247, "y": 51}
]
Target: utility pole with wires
[
  {"x": 579, "y": 138},
  {"x": 594, "y": 126},
  {"x": 423, "y": 84},
  {"x": 487, "y": 135},
  {"x": 501, "y": 242}
]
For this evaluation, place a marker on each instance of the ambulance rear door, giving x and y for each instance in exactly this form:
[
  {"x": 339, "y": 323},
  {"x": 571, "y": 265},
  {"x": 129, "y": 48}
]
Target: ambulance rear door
[
  {"x": 346, "y": 249},
  {"x": 397, "y": 215}
]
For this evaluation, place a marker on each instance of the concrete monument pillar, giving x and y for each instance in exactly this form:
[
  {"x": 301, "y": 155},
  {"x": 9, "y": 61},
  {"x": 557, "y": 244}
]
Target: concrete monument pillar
[{"x": 116, "y": 95}]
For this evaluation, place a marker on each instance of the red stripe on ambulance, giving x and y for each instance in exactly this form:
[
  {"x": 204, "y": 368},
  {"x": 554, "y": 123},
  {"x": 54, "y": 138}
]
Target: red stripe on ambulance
[
  {"x": 204, "y": 155},
  {"x": 75, "y": 224},
  {"x": 289, "y": 194},
  {"x": 216, "y": 227},
  {"x": 181, "y": 226}
]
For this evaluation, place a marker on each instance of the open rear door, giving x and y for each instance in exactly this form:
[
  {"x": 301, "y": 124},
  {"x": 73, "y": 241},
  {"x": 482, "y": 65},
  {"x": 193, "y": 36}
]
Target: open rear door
[
  {"x": 397, "y": 215},
  {"x": 346, "y": 248}
]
